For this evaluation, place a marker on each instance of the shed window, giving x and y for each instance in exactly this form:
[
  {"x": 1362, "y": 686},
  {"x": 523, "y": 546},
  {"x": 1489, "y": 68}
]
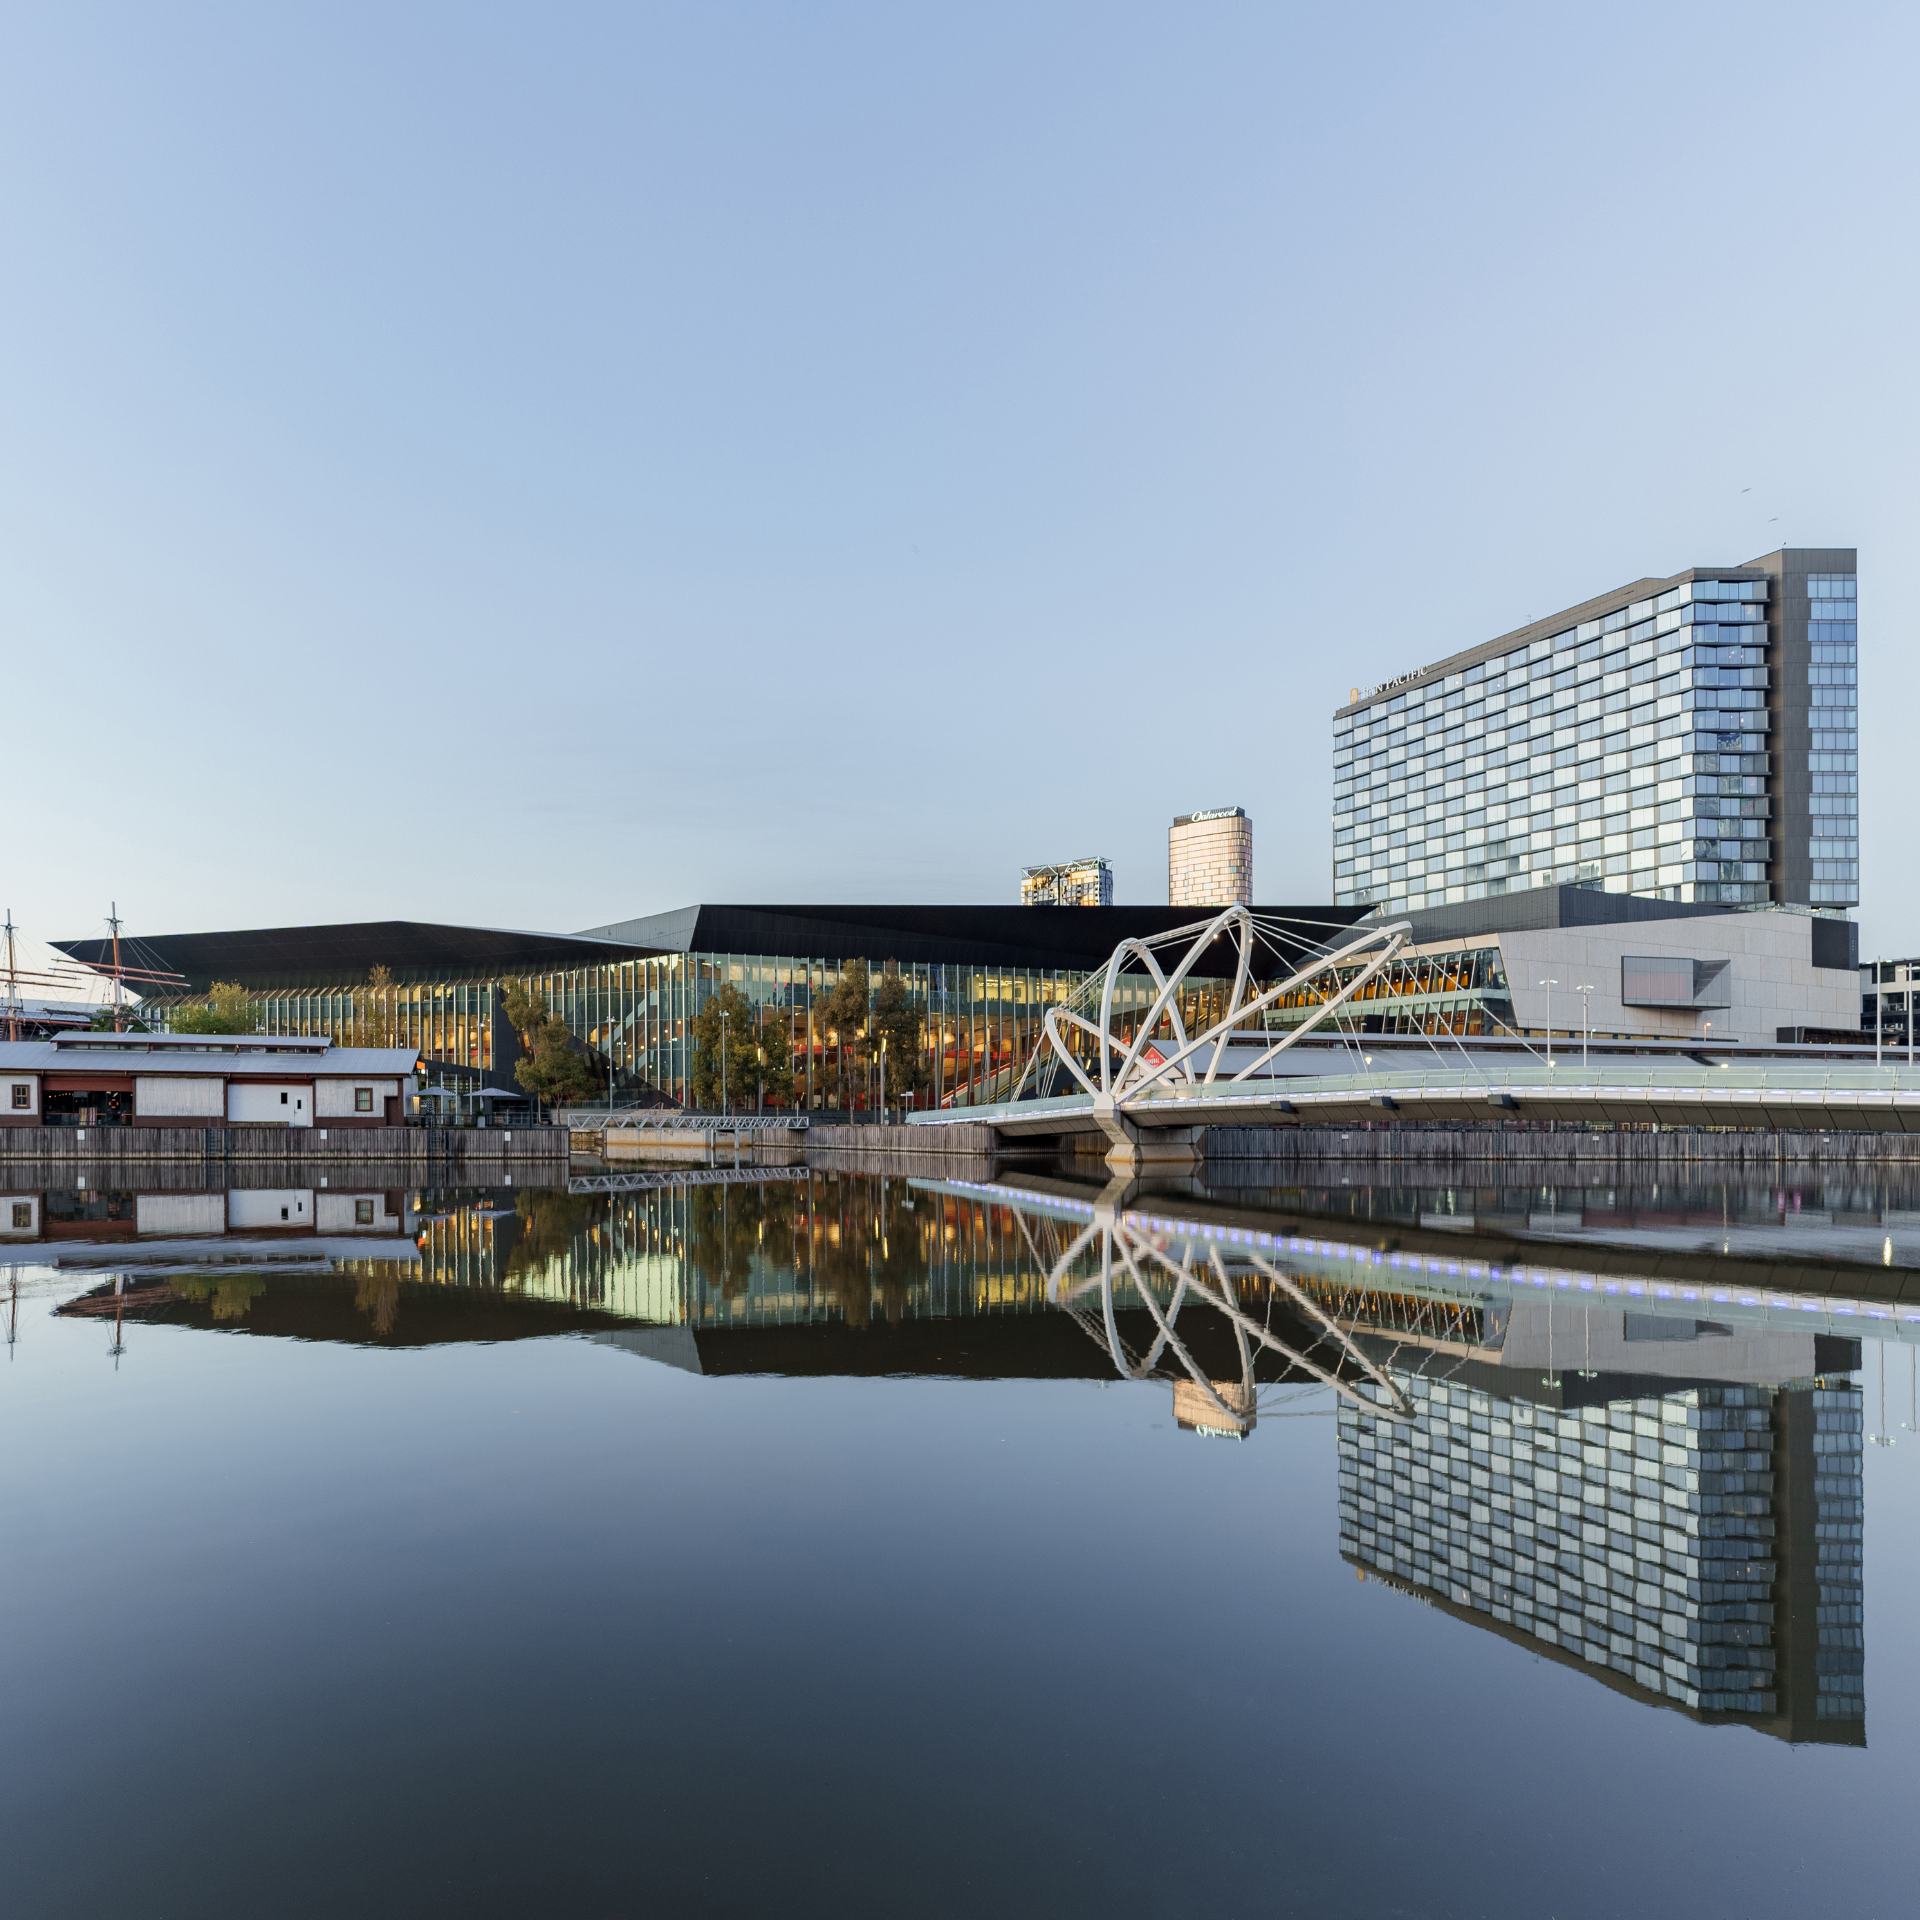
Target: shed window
[
  {"x": 363, "y": 1099},
  {"x": 363, "y": 1213},
  {"x": 283, "y": 1099},
  {"x": 22, "y": 1215},
  {"x": 22, "y": 1095}
]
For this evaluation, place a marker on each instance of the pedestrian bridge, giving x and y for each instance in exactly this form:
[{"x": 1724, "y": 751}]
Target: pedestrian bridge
[{"x": 1153, "y": 1087}]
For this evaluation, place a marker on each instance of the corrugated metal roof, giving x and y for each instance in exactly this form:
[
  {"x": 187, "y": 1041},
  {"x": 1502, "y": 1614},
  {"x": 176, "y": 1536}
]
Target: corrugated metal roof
[
  {"x": 80, "y": 1043},
  {"x": 338, "y": 1063}
]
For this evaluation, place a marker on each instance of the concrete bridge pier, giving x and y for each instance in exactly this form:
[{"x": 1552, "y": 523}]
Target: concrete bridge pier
[{"x": 1133, "y": 1150}]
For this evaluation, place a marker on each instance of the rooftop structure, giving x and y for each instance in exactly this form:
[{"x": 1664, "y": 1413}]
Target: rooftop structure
[{"x": 1086, "y": 882}]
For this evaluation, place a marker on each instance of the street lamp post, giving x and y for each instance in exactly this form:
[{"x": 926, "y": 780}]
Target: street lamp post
[
  {"x": 1549, "y": 985},
  {"x": 725, "y": 1015},
  {"x": 1585, "y": 991}
]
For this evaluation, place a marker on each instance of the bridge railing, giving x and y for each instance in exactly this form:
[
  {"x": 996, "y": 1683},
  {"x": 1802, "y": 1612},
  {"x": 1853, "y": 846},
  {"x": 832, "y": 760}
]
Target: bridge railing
[
  {"x": 1568, "y": 1079},
  {"x": 676, "y": 1120}
]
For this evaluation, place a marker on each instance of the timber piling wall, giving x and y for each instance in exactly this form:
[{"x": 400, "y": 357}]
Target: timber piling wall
[{"x": 420, "y": 1152}]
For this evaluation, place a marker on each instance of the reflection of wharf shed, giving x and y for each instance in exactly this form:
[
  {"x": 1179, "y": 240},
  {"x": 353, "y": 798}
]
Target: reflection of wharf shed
[
  {"x": 64, "y": 1224},
  {"x": 173, "y": 1080}
]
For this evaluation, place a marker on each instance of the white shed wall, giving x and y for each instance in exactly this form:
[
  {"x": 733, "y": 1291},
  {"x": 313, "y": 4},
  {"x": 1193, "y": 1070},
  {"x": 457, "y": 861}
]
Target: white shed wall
[
  {"x": 333, "y": 1099},
  {"x": 176, "y": 1096},
  {"x": 269, "y": 1103}
]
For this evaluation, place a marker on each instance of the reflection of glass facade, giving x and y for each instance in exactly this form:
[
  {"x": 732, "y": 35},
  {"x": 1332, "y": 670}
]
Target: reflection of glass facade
[
  {"x": 772, "y": 1251},
  {"x": 1633, "y": 749},
  {"x": 1702, "y": 1544}
]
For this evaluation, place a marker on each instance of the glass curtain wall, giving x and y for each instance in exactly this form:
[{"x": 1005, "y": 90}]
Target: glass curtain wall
[
  {"x": 1462, "y": 991},
  {"x": 1833, "y": 756},
  {"x": 979, "y": 1025}
]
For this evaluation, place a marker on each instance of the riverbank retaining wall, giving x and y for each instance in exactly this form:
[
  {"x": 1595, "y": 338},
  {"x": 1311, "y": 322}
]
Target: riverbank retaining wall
[
  {"x": 419, "y": 1152},
  {"x": 1230, "y": 1150},
  {"x": 965, "y": 1150}
]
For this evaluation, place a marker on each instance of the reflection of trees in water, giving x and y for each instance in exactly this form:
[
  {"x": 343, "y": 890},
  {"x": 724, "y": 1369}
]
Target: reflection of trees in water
[
  {"x": 553, "y": 1226},
  {"x": 227, "y": 1295},
  {"x": 723, "y": 1233},
  {"x": 850, "y": 1244},
  {"x": 376, "y": 1293}
]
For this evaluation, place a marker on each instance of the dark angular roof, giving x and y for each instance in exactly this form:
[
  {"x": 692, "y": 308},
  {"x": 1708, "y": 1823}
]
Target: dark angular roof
[
  {"x": 1077, "y": 938},
  {"x": 345, "y": 953}
]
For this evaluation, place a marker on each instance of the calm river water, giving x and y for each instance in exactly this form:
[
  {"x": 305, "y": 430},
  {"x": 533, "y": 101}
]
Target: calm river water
[{"x": 820, "y": 1544}]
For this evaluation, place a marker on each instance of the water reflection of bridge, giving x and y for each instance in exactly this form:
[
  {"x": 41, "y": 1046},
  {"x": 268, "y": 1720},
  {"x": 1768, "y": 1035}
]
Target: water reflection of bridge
[{"x": 1651, "y": 1471}]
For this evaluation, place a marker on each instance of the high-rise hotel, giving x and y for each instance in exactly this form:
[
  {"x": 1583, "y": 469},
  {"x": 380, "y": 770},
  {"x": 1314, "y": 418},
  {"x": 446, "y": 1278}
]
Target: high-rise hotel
[{"x": 1694, "y": 737}]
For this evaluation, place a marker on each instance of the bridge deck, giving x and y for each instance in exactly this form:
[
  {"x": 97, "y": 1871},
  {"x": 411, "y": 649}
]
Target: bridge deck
[{"x": 1844, "y": 1096}]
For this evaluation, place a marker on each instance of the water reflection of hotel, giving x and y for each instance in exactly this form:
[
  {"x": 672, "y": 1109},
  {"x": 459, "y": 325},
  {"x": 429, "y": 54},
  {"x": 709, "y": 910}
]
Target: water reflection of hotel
[
  {"x": 1671, "y": 1503},
  {"x": 1693, "y": 1541}
]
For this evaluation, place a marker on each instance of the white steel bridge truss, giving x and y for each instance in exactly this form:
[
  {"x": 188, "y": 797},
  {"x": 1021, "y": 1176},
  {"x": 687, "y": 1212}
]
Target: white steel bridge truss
[{"x": 1131, "y": 1067}]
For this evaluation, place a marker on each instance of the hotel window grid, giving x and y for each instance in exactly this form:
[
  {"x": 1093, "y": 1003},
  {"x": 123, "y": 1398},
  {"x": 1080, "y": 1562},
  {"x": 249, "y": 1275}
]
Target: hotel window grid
[
  {"x": 1833, "y": 754},
  {"x": 1629, "y": 752}
]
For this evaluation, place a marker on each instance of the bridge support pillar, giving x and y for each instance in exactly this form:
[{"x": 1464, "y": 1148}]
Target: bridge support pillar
[{"x": 1133, "y": 1150}]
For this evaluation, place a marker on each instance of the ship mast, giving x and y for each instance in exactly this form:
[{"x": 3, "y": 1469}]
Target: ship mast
[
  {"x": 13, "y": 985},
  {"x": 119, "y": 989}
]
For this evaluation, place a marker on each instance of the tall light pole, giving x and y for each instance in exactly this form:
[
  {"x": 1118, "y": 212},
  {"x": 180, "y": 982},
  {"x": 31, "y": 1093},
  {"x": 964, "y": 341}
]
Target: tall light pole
[
  {"x": 1585, "y": 991},
  {"x": 725, "y": 1015},
  {"x": 1549, "y": 985}
]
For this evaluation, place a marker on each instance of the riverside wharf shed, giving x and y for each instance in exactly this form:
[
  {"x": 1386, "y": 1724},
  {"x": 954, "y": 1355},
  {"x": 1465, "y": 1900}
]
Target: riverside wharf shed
[{"x": 185, "y": 1080}]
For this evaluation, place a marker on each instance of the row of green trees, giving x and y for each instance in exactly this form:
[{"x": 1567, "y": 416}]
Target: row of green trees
[
  {"x": 552, "y": 1067},
  {"x": 229, "y": 1008},
  {"x": 743, "y": 1054}
]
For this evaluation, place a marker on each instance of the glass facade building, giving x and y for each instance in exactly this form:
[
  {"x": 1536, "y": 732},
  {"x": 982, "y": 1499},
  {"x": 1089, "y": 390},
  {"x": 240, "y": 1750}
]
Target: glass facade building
[
  {"x": 1693, "y": 738},
  {"x": 979, "y": 979}
]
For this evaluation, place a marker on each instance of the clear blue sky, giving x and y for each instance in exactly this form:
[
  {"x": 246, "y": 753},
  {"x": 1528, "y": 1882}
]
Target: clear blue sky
[{"x": 538, "y": 464}]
